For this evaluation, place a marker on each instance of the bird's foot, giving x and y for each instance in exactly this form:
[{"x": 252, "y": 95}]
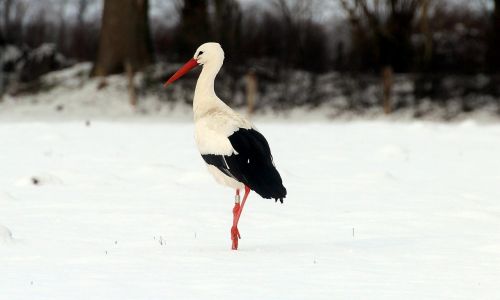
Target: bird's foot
[{"x": 235, "y": 236}]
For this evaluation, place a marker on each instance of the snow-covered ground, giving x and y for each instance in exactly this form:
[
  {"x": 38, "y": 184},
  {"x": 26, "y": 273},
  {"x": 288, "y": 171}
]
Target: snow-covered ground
[{"x": 126, "y": 210}]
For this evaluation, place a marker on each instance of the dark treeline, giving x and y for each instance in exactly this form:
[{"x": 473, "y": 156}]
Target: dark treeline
[
  {"x": 420, "y": 55},
  {"x": 29, "y": 24},
  {"x": 282, "y": 33},
  {"x": 359, "y": 35}
]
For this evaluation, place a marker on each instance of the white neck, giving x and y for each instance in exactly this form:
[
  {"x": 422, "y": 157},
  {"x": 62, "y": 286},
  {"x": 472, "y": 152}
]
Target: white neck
[{"x": 204, "y": 94}]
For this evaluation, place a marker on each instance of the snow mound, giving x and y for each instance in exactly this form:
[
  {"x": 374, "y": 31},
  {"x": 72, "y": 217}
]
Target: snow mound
[
  {"x": 5, "y": 234},
  {"x": 10, "y": 55}
]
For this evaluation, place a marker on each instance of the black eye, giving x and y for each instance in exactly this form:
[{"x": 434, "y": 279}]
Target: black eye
[{"x": 201, "y": 52}]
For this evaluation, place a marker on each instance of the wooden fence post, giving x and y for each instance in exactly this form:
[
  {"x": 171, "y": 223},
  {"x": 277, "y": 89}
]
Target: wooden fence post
[
  {"x": 131, "y": 86},
  {"x": 387, "y": 82}
]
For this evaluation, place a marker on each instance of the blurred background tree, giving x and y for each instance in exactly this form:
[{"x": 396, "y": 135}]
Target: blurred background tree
[
  {"x": 383, "y": 31},
  {"x": 124, "y": 38},
  {"x": 408, "y": 35},
  {"x": 226, "y": 27},
  {"x": 494, "y": 53},
  {"x": 193, "y": 28}
]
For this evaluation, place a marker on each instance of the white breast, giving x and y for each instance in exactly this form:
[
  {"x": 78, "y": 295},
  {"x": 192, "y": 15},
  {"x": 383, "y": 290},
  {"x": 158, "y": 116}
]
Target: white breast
[{"x": 213, "y": 128}]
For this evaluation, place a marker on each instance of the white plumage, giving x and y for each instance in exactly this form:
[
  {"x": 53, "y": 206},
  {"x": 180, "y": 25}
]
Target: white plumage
[{"x": 214, "y": 120}]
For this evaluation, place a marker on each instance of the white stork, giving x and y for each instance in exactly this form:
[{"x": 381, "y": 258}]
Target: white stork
[{"x": 236, "y": 154}]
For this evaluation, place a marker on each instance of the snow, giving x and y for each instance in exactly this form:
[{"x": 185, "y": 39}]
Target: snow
[
  {"x": 126, "y": 210},
  {"x": 73, "y": 95},
  {"x": 5, "y": 234}
]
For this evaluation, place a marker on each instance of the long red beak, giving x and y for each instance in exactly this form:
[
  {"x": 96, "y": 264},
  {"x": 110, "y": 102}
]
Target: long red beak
[{"x": 183, "y": 70}]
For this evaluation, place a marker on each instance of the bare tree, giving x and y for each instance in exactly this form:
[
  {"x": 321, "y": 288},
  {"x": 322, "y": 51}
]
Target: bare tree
[
  {"x": 386, "y": 25},
  {"x": 125, "y": 37},
  {"x": 425, "y": 29},
  {"x": 13, "y": 18},
  {"x": 194, "y": 26},
  {"x": 84, "y": 34},
  {"x": 62, "y": 26},
  {"x": 82, "y": 7},
  {"x": 389, "y": 23},
  {"x": 495, "y": 41},
  {"x": 304, "y": 39},
  {"x": 6, "y": 14},
  {"x": 226, "y": 25}
]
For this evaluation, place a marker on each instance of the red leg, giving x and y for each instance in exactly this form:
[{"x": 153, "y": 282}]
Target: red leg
[{"x": 235, "y": 234}]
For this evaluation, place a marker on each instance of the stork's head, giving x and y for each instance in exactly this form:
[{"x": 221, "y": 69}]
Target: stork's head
[{"x": 208, "y": 55}]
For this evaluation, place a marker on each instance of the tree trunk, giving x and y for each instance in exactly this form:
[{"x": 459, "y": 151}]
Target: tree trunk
[
  {"x": 131, "y": 86},
  {"x": 6, "y": 19},
  {"x": 227, "y": 26},
  {"x": 193, "y": 27},
  {"x": 387, "y": 80},
  {"x": 125, "y": 37},
  {"x": 424, "y": 28},
  {"x": 495, "y": 43}
]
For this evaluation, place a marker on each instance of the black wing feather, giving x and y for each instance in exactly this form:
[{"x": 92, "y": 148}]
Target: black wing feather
[{"x": 253, "y": 165}]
